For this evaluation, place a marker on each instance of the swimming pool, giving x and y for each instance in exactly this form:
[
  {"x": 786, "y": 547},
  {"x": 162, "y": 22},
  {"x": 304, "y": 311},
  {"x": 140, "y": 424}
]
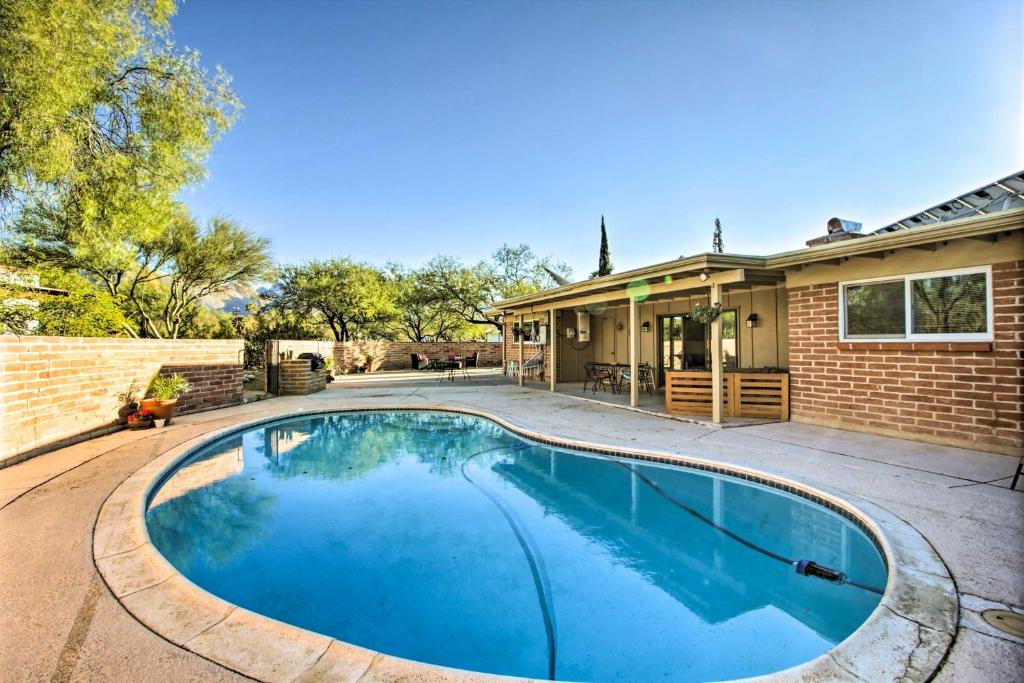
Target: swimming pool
[{"x": 447, "y": 539}]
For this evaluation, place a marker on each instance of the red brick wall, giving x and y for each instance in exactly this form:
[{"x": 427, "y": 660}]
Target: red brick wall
[
  {"x": 394, "y": 355},
  {"x": 56, "y": 390},
  {"x": 964, "y": 394}
]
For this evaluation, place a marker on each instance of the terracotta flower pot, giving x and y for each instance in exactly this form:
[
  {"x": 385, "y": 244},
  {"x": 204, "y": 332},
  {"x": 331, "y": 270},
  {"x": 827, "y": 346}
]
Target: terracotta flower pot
[{"x": 161, "y": 409}]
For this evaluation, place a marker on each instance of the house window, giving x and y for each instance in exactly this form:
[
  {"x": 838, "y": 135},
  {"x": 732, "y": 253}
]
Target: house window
[
  {"x": 530, "y": 332},
  {"x": 953, "y": 305},
  {"x": 876, "y": 310}
]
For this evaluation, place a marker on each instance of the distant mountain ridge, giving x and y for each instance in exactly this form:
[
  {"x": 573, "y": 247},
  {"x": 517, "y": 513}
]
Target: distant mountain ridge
[{"x": 233, "y": 300}]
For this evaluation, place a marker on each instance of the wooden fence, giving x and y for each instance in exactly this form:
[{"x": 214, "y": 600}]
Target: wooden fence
[{"x": 744, "y": 394}]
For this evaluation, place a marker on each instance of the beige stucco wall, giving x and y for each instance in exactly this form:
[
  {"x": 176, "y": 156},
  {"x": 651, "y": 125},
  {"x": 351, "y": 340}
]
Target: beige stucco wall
[
  {"x": 763, "y": 346},
  {"x": 955, "y": 254}
]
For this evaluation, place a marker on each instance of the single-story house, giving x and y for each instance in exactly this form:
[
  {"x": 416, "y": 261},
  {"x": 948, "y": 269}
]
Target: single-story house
[{"x": 915, "y": 330}]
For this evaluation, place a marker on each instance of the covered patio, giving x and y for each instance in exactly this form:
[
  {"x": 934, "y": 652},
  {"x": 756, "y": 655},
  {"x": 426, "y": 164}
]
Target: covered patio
[{"x": 705, "y": 339}]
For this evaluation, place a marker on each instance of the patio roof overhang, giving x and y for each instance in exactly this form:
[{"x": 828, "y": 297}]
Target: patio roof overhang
[{"x": 735, "y": 270}]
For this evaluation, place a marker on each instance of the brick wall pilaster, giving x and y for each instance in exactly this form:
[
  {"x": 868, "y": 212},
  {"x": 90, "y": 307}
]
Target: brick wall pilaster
[{"x": 299, "y": 379}]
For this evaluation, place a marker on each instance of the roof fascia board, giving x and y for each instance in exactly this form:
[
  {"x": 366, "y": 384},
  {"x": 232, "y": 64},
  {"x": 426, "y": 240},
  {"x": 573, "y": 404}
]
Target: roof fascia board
[
  {"x": 658, "y": 270},
  {"x": 722, "y": 278}
]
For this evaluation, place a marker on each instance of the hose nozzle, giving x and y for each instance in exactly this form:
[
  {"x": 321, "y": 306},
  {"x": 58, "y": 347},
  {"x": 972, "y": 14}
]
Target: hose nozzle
[{"x": 809, "y": 568}]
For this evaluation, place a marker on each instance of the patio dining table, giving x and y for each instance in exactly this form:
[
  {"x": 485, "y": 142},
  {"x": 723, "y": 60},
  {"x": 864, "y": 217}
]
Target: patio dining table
[
  {"x": 450, "y": 366},
  {"x": 616, "y": 370}
]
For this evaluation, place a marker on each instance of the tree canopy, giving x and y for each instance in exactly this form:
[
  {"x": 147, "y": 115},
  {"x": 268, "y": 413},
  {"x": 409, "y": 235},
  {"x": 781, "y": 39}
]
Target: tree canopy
[
  {"x": 97, "y": 104},
  {"x": 350, "y": 298},
  {"x": 469, "y": 291}
]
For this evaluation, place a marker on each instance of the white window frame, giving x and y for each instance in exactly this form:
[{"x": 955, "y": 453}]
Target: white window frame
[
  {"x": 909, "y": 336},
  {"x": 534, "y": 324}
]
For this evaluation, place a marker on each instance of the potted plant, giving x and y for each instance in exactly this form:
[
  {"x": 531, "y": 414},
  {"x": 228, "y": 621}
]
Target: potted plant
[
  {"x": 164, "y": 391},
  {"x": 129, "y": 400},
  {"x": 705, "y": 314},
  {"x": 329, "y": 368},
  {"x": 141, "y": 419},
  {"x": 371, "y": 361}
]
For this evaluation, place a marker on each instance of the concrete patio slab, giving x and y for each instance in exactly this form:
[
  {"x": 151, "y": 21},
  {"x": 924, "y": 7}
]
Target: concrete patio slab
[{"x": 61, "y": 622}]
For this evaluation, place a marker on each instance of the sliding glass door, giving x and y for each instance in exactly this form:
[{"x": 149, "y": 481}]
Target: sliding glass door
[{"x": 685, "y": 344}]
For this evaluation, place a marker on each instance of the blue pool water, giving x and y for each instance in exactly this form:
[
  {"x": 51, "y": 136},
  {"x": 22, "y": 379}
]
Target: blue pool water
[{"x": 446, "y": 539}]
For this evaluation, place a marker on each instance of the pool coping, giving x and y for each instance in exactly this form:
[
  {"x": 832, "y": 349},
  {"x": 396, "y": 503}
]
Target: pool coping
[{"x": 906, "y": 637}]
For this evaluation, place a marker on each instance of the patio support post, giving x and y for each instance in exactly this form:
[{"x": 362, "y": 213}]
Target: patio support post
[
  {"x": 521, "y": 349},
  {"x": 553, "y": 343},
  {"x": 634, "y": 351},
  {"x": 715, "y": 297}
]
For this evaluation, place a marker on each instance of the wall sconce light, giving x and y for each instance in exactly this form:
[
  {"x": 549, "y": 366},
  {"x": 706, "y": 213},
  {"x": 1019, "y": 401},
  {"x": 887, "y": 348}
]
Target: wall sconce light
[
  {"x": 645, "y": 326},
  {"x": 704, "y": 275},
  {"x": 752, "y": 320}
]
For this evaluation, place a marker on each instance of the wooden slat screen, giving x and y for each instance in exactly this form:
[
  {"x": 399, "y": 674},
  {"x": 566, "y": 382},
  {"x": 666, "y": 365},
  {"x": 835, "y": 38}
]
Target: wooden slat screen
[{"x": 744, "y": 394}]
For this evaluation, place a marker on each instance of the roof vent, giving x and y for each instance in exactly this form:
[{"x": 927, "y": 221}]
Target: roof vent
[{"x": 838, "y": 230}]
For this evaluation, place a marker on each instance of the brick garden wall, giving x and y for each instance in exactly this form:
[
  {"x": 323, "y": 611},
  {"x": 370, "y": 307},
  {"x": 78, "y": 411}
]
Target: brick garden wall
[
  {"x": 57, "y": 390},
  {"x": 393, "y": 355},
  {"x": 964, "y": 394}
]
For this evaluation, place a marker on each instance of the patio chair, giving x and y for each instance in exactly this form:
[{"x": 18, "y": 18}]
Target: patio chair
[
  {"x": 421, "y": 362},
  {"x": 471, "y": 359},
  {"x": 597, "y": 376},
  {"x": 645, "y": 375}
]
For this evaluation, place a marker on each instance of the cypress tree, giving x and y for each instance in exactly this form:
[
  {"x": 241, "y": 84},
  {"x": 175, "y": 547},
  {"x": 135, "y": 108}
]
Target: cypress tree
[
  {"x": 604, "y": 261},
  {"x": 717, "y": 246}
]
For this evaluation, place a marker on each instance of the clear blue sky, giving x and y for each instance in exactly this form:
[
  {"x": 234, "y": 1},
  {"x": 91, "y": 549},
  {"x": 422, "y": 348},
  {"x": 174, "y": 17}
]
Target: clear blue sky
[{"x": 396, "y": 130}]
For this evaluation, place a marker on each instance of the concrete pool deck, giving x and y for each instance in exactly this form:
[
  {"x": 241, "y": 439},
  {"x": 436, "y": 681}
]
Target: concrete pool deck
[{"x": 61, "y": 622}]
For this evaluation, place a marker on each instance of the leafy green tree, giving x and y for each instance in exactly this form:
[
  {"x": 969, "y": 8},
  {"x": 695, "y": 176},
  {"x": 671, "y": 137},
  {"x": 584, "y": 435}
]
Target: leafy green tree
[
  {"x": 16, "y": 315},
  {"x": 717, "y": 246},
  {"x": 158, "y": 277},
  {"x": 96, "y": 101},
  {"x": 604, "y": 260},
  {"x": 201, "y": 262},
  {"x": 350, "y": 298},
  {"x": 470, "y": 291},
  {"x": 103, "y": 120},
  {"x": 421, "y": 314},
  {"x": 85, "y": 311}
]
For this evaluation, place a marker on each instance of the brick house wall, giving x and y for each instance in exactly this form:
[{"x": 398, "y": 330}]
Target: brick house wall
[
  {"x": 58, "y": 390},
  {"x": 962, "y": 394},
  {"x": 299, "y": 379},
  {"x": 530, "y": 350},
  {"x": 393, "y": 355}
]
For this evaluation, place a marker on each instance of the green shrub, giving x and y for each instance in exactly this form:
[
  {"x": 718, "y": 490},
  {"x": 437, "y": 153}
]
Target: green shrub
[{"x": 166, "y": 387}]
